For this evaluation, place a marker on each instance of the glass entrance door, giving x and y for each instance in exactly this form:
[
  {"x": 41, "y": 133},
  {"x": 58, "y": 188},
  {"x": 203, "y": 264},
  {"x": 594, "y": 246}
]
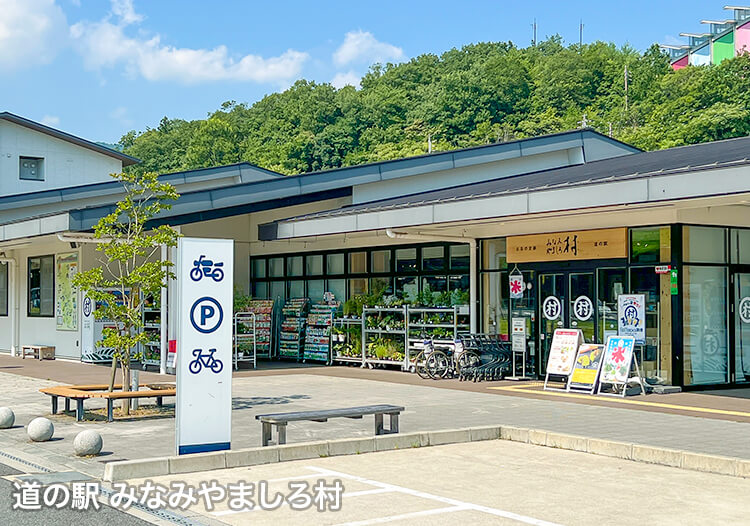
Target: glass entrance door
[
  {"x": 582, "y": 311},
  {"x": 552, "y": 303},
  {"x": 742, "y": 328}
]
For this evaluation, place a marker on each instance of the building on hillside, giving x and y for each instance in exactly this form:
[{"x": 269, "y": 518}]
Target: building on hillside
[
  {"x": 725, "y": 39},
  {"x": 584, "y": 219}
]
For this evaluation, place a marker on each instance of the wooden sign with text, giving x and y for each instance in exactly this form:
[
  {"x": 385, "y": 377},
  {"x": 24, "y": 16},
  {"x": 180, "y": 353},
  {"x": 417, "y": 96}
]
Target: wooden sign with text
[{"x": 565, "y": 246}]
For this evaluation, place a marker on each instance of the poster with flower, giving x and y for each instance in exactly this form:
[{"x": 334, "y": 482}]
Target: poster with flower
[
  {"x": 618, "y": 357},
  {"x": 66, "y": 305}
]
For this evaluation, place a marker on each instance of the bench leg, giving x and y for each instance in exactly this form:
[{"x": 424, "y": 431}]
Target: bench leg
[
  {"x": 159, "y": 401},
  {"x": 67, "y": 405},
  {"x": 79, "y": 409},
  {"x": 280, "y": 434},
  {"x": 379, "y": 424},
  {"x": 110, "y": 407},
  {"x": 266, "y": 439},
  {"x": 394, "y": 423},
  {"x": 54, "y": 405}
]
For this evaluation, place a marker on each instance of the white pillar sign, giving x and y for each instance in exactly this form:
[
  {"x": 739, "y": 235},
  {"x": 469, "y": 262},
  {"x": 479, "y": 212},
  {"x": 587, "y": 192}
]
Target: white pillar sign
[{"x": 204, "y": 348}]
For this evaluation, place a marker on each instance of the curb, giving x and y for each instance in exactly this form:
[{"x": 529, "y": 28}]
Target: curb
[{"x": 154, "y": 467}]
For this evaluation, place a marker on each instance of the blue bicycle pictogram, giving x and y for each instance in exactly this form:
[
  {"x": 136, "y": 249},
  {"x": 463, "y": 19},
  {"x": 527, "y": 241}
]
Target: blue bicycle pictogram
[
  {"x": 203, "y": 267},
  {"x": 205, "y": 359}
]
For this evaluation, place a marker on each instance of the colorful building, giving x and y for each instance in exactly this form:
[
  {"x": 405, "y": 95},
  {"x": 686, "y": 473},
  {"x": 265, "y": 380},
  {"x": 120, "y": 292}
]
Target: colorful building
[{"x": 725, "y": 39}]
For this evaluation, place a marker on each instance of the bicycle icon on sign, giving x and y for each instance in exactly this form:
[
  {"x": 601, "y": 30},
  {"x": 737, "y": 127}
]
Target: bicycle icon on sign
[
  {"x": 206, "y": 268},
  {"x": 205, "y": 359}
]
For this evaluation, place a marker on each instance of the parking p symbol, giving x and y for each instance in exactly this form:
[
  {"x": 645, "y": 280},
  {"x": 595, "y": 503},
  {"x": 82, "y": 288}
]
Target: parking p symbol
[{"x": 206, "y": 315}]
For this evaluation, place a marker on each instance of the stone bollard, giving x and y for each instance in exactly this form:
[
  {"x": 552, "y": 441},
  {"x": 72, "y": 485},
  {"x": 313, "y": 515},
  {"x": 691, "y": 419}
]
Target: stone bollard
[
  {"x": 40, "y": 429},
  {"x": 87, "y": 442},
  {"x": 7, "y": 418}
]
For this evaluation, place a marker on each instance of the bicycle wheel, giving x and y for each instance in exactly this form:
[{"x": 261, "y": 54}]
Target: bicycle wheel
[
  {"x": 420, "y": 366},
  {"x": 438, "y": 365}
]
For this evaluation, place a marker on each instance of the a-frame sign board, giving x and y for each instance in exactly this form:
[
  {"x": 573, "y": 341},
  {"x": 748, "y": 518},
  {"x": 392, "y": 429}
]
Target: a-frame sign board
[
  {"x": 619, "y": 359},
  {"x": 562, "y": 355}
]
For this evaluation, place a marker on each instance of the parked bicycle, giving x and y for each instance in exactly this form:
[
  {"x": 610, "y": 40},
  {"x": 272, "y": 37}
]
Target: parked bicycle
[
  {"x": 445, "y": 362},
  {"x": 205, "y": 359},
  {"x": 203, "y": 267}
]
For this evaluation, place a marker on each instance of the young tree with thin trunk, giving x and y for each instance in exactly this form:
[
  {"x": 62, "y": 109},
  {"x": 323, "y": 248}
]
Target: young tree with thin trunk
[{"x": 130, "y": 269}]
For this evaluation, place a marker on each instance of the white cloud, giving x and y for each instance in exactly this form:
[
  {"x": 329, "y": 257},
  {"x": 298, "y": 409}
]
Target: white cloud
[
  {"x": 104, "y": 44},
  {"x": 349, "y": 78},
  {"x": 361, "y": 46},
  {"x": 51, "y": 120},
  {"x": 31, "y": 32},
  {"x": 121, "y": 115}
]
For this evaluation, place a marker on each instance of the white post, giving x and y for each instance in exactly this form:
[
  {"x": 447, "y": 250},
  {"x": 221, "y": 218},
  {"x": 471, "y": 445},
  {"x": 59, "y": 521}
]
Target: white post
[
  {"x": 163, "y": 316},
  {"x": 473, "y": 285}
]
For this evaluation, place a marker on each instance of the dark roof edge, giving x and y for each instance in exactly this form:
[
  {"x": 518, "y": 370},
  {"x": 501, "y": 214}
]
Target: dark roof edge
[{"x": 127, "y": 160}]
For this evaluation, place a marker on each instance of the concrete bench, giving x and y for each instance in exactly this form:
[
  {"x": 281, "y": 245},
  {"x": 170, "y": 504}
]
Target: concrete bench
[
  {"x": 79, "y": 393},
  {"x": 42, "y": 352},
  {"x": 280, "y": 420}
]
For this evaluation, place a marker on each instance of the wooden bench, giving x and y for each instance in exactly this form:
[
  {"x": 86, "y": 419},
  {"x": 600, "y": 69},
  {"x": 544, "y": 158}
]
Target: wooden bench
[
  {"x": 42, "y": 352},
  {"x": 280, "y": 420},
  {"x": 79, "y": 393}
]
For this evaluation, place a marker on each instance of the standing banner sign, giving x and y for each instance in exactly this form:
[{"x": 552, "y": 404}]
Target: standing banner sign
[
  {"x": 631, "y": 316},
  {"x": 204, "y": 361},
  {"x": 562, "y": 354},
  {"x": 586, "y": 369},
  {"x": 617, "y": 362}
]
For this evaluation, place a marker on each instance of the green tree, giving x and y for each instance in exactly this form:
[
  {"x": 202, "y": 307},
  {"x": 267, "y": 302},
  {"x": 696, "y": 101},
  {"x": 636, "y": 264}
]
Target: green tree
[{"x": 129, "y": 269}]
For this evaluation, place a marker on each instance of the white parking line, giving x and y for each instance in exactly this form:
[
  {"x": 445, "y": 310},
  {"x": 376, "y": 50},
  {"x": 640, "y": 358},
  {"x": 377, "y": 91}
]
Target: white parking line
[
  {"x": 381, "y": 520},
  {"x": 445, "y": 500}
]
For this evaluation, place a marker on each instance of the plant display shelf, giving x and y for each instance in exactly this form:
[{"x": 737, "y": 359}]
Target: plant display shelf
[
  {"x": 264, "y": 333},
  {"x": 381, "y": 327},
  {"x": 343, "y": 342},
  {"x": 318, "y": 332},
  {"x": 441, "y": 324},
  {"x": 151, "y": 319},
  {"x": 245, "y": 345},
  {"x": 292, "y": 337}
]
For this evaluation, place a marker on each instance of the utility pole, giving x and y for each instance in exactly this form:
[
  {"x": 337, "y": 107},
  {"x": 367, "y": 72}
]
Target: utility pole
[
  {"x": 533, "y": 38},
  {"x": 626, "y": 88},
  {"x": 580, "y": 35},
  {"x": 429, "y": 143}
]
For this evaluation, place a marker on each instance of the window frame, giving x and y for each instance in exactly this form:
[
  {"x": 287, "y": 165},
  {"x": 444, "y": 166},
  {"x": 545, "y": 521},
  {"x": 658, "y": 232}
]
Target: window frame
[
  {"x": 29, "y": 314},
  {"x": 22, "y": 158}
]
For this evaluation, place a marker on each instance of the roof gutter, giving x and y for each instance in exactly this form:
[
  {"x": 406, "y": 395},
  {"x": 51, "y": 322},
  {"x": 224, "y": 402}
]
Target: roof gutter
[{"x": 472, "y": 242}]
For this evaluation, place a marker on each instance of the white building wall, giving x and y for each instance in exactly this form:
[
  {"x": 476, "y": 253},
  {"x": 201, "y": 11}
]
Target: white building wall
[{"x": 65, "y": 164}]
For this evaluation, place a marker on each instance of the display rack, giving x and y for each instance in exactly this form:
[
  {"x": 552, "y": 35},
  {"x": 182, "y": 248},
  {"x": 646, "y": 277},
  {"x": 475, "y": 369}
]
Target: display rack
[
  {"x": 264, "y": 333},
  {"x": 440, "y": 324},
  {"x": 385, "y": 336},
  {"x": 318, "y": 332},
  {"x": 346, "y": 336},
  {"x": 291, "y": 339},
  {"x": 245, "y": 341},
  {"x": 151, "y": 316}
]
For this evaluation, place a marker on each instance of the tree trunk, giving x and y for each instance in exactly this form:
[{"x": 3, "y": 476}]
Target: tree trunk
[
  {"x": 112, "y": 373},
  {"x": 126, "y": 385}
]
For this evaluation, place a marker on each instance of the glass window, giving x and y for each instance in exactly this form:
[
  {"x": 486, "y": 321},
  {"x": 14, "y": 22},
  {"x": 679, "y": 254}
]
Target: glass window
[
  {"x": 406, "y": 260},
  {"x": 702, "y": 244},
  {"x": 407, "y": 288},
  {"x": 382, "y": 284},
  {"x": 294, "y": 266},
  {"x": 437, "y": 286},
  {"x": 31, "y": 168},
  {"x": 314, "y": 265},
  {"x": 296, "y": 289},
  {"x": 276, "y": 267},
  {"x": 315, "y": 289},
  {"x": 259, "y": 268},
  {"x": 357, "y": 262},
  {"x": 740, "y": 246},
  {"x": 338, "y": 288},
  {"x": 650, "y": 245},
  {"x": 433, "y": 258},
  {"x": 3, "y": 289},
  {"x": 277, "y": 290},
  {"x": 260, "y": 290},
  {"x": 458, "y": 286},
  {"x": 41, "y": 291},
  {"x": 335, "y": 264},
  {"x": 357, "y": 287},
  {"x": 380, "y": 261},
  {"x": 705, "y": 326},
  {"x": 459, "y": 257},
  {"x": 656, "y": 356},
  {"x": 493, "y": 254}
]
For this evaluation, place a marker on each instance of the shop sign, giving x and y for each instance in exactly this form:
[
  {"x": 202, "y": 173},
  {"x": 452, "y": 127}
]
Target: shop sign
[
  {"x": 515, "y": 282},
  {"x": 618, "y": 358},
  {"x": 562, "y": 352},
  {"x": 662, "y": 269},
  {"x": 518, "y": 335},
  {"x": 744, "y": 309},
  {"x": 583, "y": 308},
  {"x": 673, "y": 282},
  {"x": 551, "y": 308},
  {"x": 566, "y": 246},
  {"x": 586, "y": 369},
  {"x": 631, "y": 316},
  {"x": 204, "y": 363}
]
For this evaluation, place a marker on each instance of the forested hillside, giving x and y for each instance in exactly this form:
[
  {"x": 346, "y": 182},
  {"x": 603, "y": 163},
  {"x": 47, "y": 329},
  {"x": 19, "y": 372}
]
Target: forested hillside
[{"x": 479, "y": 94}]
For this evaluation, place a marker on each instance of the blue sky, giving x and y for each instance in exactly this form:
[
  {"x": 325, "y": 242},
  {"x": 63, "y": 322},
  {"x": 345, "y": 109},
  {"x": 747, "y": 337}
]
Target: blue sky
[{"x": 98, "y": 68}]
